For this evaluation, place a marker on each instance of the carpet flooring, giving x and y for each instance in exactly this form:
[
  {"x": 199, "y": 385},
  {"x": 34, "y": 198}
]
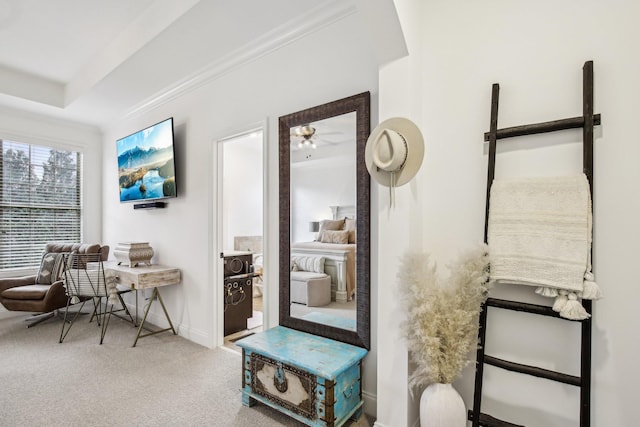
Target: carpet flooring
[{"x": 164, "y": 381}]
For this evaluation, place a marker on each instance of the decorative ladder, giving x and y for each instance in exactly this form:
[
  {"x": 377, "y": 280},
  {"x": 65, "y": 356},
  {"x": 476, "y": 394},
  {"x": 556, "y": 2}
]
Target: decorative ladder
[{"x": 586, "y": 122}]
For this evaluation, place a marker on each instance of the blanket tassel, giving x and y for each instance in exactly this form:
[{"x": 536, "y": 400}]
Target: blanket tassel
[
  {"x": 560, "y": 301},
  {"x": 591, "y": 289},
  {"x": 572, "y": 308},
  {"x": 112, "y": 288}
]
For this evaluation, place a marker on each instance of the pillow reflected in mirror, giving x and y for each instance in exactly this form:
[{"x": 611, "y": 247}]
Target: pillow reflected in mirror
[
  {"x": 330, "y": 224},
  {"x": 350, "y": 226},
  {"x": 313, "y": 264},
  {"x": 335, "y": 236}
]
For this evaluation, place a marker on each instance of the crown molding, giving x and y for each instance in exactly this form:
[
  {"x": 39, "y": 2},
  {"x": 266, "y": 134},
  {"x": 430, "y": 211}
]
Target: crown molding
[{"x": 315, "y": 19}]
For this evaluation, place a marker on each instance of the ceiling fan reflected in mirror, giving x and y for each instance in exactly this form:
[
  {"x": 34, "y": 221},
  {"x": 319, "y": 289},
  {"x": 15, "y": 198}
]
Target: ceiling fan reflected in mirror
[
  {"x": 328, "y": 133},
  {"x": 304, "y": 133}
]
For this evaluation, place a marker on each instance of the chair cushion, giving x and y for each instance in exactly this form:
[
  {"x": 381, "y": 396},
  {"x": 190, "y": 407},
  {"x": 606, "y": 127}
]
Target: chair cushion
[
  {"x": 86, "y": 248},
  {"x": 81, "y": 248},
  {"x": 29, "y": 292},
  {"x": 50, "y": 268},
  {"x": 61, "y": 247},
  {"x": 305, "y": 276}
]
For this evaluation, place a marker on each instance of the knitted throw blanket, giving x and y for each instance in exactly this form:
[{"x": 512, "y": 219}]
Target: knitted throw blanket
[
  {"x": 112, "y": 287},
  {"x": 539, "y": 234}
]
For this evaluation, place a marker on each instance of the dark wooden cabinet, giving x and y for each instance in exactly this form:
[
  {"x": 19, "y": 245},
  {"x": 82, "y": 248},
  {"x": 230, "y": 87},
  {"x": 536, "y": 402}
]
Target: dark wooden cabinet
[
  {"x": 237, "y": 292},
  {"x": 238, "y": 302},
  {"x": 236, "y": 263}
]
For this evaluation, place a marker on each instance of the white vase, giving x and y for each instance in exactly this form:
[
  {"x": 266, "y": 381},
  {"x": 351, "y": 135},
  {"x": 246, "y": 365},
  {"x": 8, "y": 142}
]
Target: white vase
[{"x": 442, "y": 406}]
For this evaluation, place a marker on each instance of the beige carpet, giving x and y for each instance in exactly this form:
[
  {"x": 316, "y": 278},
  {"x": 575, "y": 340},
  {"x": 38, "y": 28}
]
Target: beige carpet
[{"x": 164, "y": 381}]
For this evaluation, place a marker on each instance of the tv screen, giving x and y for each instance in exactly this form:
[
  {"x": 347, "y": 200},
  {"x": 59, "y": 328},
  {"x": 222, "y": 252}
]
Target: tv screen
[{"x": 146, "y": 166}]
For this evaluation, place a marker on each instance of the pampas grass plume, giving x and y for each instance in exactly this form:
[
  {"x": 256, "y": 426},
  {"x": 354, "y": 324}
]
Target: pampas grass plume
[{"x": 441, "y": 327}]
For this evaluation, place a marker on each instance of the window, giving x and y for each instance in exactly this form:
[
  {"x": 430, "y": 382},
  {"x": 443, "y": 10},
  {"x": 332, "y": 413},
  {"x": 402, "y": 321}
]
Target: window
[{"x": 40, "y": 201}]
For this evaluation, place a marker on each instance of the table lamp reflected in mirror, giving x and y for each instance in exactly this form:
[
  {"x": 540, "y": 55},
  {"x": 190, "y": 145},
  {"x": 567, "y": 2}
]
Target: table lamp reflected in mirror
[{"x": 314, "y": 227}]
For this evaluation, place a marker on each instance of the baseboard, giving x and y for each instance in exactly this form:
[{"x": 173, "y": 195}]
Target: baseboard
[
  {"x": 194, "y": 335},
  {"x": 377, "y": 424},
  {"x": 370, "y": 403}
]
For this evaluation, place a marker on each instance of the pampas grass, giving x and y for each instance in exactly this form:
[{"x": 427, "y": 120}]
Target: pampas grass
[{"x": 441, "y": 328}]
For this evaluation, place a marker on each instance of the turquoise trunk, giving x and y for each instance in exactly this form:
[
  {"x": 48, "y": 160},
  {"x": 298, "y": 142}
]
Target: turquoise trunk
[{"x": 313, "y": 379}]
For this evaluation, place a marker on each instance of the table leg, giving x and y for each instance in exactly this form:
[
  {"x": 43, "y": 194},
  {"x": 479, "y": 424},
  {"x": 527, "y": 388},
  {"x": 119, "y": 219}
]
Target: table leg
[
  {"x": 154, "y": 295},
  {"x": 166, "y": 314}
]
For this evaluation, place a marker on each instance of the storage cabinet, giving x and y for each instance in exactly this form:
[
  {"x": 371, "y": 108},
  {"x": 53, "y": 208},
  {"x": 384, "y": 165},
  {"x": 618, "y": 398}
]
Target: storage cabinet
[
  {"x": 237, "y": 262},
  {"x": 313, "y": 379},
  {"x": 237, "y": 292},
  {"x": 238, "y": 302}
]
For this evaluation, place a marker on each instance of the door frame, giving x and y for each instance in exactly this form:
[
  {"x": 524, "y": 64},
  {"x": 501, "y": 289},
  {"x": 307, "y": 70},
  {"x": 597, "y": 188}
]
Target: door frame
[{"x": 216, "y": 244}]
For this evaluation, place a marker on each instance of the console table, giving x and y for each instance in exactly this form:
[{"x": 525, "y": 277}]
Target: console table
[
  {"x": 143, "y": 277},
  {"x": 313, "y": 379}
]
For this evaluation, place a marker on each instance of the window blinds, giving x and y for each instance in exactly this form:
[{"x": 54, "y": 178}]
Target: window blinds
[{"x": 40, "y": 201}]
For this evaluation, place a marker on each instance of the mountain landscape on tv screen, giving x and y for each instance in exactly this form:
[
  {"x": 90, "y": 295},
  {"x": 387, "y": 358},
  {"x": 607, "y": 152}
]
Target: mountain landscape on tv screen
[{"x": 146, "y": 173}]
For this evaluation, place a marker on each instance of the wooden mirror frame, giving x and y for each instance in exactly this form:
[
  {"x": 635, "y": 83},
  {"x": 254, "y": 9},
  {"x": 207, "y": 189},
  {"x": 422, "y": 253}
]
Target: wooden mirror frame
[{"x": 361, "y": 105}]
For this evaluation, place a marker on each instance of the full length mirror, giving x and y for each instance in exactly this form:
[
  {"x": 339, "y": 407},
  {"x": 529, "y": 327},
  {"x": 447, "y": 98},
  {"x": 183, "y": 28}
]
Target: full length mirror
[{"x": 324, "y": 220}]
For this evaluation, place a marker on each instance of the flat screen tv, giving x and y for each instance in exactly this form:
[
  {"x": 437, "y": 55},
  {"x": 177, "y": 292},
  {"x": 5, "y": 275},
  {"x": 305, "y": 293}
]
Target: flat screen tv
[{"x": 146, "y": 164}]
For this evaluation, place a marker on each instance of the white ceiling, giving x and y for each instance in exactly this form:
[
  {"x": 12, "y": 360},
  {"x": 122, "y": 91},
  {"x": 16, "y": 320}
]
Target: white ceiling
[{"x": 91, "y": 61}]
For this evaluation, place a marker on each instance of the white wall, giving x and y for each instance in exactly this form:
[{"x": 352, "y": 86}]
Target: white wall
[
  {"x": 536, "y": 52},
  {"x": 242, "y": 192},
  {"x": 335, "y": 63},
  {"x": 399, "y": 229}
]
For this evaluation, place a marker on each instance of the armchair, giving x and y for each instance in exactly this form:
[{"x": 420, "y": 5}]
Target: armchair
[{"x": 44, "y": 292}]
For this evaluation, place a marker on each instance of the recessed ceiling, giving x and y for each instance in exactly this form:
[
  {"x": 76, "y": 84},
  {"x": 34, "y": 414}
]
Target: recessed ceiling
[
  {"x": 54, "y": 40},
  {"x": 91, "y": 61}
]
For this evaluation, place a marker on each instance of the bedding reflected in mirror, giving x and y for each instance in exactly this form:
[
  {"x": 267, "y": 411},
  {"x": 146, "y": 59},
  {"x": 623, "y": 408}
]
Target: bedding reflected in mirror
[{"x": 323, "y": 191}]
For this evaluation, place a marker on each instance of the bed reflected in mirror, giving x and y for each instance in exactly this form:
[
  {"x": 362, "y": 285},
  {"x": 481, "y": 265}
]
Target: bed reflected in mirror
[{"x": 324, "y": 204}]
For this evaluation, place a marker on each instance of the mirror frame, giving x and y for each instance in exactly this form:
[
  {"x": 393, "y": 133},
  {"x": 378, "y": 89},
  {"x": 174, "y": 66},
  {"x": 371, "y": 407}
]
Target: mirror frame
[{"x": 359, "y": 103}]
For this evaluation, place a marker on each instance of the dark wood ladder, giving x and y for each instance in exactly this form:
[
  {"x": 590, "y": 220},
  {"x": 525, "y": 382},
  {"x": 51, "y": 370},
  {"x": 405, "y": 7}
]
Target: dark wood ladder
[{"x": 587, "y": 121}]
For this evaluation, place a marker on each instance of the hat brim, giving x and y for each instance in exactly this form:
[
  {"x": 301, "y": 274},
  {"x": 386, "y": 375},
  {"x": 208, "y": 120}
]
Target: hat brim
[{"x": 415, "y": 151}]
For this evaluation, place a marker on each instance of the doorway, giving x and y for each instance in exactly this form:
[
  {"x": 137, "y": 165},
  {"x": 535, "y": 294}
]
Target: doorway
[{"x": 240, "y": 241}]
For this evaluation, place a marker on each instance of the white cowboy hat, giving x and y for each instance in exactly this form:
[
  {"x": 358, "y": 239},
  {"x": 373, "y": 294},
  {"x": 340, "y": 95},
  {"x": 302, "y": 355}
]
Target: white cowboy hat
[{"x": 394, "y": 152}]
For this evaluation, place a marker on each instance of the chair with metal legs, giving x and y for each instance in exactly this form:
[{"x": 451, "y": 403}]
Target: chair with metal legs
[{"x": 85, "y": 279}]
